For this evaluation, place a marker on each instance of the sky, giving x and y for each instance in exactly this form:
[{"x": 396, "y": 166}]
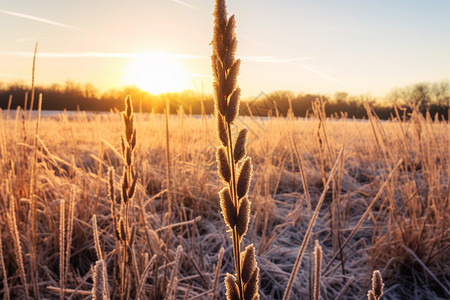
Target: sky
[{"x": 361, "y": 47}]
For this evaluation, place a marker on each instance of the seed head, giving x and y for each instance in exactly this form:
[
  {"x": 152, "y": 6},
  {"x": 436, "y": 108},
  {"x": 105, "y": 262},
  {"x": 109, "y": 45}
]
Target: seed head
[
  {"x": 232, "y": 291},
  {"x": 248, "y": 263},
  {"x": 377, "y": 284},
  {"x": 243, "y": 217},
  {"x": 240, "y": 145},
  {"x": 228, "y": 209},
  {"x": 245, "y": 176},
  {"x": 233, "y": 106},
  {"x": 222, "y": 164}
]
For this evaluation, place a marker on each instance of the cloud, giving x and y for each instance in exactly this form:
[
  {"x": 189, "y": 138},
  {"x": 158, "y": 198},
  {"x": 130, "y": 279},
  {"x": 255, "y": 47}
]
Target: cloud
[
  {"x": 131, "y": 55},
  {"x": 42, "y": 20},
  {"x": 25, "y": 39},
  {"x": 291, "y": 61},
  {"x": 274, "y": 59},
  {"x": 185, "y": 4},
  {"x": 12, "y": 76},
  {"x": 321, "y": 74}
]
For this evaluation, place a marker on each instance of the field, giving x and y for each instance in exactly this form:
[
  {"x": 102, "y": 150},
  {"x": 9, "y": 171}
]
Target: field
[{"x": 393, "y": 176}]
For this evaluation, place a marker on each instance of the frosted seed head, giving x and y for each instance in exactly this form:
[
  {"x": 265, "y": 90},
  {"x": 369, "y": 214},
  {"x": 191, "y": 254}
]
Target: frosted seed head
[
  {"x": 129, "y": 257},
  {"x": 370, "y": 295},
  {"x": 248, "y": 263},
  {"x": 228, "y": 208},
  {"x": 232, "y": 291},
  {"x": 240, "y": 145},
  {"x": 128, "y": 106},
  {"x": 122, "y": 145},
  {"x": 245, "y": 176},
  {"x": 232, "y": 77},
  {"x": 111, "y": 184},
  {"x": 220, "y": 14},
  {"x": 317, "y": 253},
  {"x": 133, "y": 139},
  {"x": 233, "y": 106},
  {"x": 132, "y": 235},
  {"x": 221, "y": 80},
  {"x": 251, "y": 287},
  {"x": 132, "y": 189},
  {"x": 243, "y": 217},
  {"x": 377, "y": 284},
  {"x": 229, "y": 55},
  {"x": 229, "y": 32},
  {"x": 129, "y": 156},
  {"x": 122, "y": 232},
  {"x": 220, "y": 99},
  {"x": 125, "y": 187},
  {"x": 222, "y": 164},
  {"x": 213, "y": 64},
  {"x": 222, "y": 133},
  {"x": 99, "y": 282}
]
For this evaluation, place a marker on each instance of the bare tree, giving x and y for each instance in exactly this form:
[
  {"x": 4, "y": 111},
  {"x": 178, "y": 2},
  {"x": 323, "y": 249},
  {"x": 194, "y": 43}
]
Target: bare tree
[{"x": 441, "y": 92}]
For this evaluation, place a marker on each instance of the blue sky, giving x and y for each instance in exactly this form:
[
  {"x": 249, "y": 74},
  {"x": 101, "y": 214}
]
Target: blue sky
[{"x": 311, "y": 46}]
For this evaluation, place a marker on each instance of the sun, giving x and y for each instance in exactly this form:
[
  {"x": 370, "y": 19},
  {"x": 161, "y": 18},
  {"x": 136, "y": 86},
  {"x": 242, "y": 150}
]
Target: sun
[{"x": 156, "y": 73}]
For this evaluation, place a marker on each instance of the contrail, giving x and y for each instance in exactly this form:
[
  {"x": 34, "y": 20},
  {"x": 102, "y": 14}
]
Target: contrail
[
  {"x": 321, "y": 74},
  {"x": 185, "y": 4},
  {"x": 25, "y": 39},
  {"x": 42, "y": 20},
  {"x": 102, "y": 55},
  {"x": 274, "y": 59},
  {"x": 12, "y": 76}
]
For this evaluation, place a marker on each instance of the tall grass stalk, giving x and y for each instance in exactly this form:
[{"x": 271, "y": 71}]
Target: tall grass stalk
[
  {"x": 377, "y": 286},
  {"x": 100, "y": 281},
  {"x": 364, "y": 216},
  {"x": 295, "y": 215},
  {"x": 62, "y": 233},
  {"x": 234, "y": 167},
  {"x": 169, "y": 194},
  {"x": 12, "y": 222},
  {"x": 69, "y": 234},
  {"x": 32, "y": 80},
  {"x": 317, "y": 269},
  {"x": 216, "y": 273},
  {"x": 129, "y": 180},
  {"x": 34, "y": 204},
  {"x": 312, "y": 222},
  {"x": 2, "y": 266}
]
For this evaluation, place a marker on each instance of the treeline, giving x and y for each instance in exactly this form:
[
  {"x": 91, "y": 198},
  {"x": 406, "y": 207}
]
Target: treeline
[{"x": 429, "y": 97}]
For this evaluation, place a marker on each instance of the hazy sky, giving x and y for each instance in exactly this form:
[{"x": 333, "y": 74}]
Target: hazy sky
[{"x": 310, "y": 46}]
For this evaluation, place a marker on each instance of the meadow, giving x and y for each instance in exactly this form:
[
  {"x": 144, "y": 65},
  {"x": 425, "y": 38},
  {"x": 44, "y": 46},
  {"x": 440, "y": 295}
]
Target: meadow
[
  {"x": 386, "y": 207},
  {"x": 126, "y": 205}
]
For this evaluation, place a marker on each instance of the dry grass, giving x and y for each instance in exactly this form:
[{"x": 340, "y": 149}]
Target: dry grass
[
  {"x": 405, "y": 234},
  {"x": 374, "y": 194}
]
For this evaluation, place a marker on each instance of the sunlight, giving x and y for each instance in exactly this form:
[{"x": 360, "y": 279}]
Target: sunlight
[{"x": 156, "y": 73}]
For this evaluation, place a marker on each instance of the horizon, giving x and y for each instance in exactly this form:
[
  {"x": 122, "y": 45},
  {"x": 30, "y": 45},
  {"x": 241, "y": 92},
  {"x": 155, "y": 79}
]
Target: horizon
[
  {"x": 98, "y": 94},
  {"x": 161, "y": 47}
]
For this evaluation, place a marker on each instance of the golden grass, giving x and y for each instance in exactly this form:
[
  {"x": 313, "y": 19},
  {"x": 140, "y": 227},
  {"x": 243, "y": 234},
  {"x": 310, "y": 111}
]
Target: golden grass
[
  {"x": 404, "y": 233},
  {"x": 375, "y": 194}
]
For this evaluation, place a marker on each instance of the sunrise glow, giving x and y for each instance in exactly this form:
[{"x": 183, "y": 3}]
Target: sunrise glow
[{"x": 156, "y": 73}]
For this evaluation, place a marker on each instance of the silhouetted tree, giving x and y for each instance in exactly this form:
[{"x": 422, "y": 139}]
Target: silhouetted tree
[
  {"x": 72, "y": 96},
  {"x": 441, "y": 93}
]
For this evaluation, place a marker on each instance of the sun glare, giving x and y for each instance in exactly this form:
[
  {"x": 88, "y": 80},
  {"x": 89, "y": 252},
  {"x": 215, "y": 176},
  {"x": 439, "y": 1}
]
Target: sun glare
[{"x": 156, "y": 73}]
